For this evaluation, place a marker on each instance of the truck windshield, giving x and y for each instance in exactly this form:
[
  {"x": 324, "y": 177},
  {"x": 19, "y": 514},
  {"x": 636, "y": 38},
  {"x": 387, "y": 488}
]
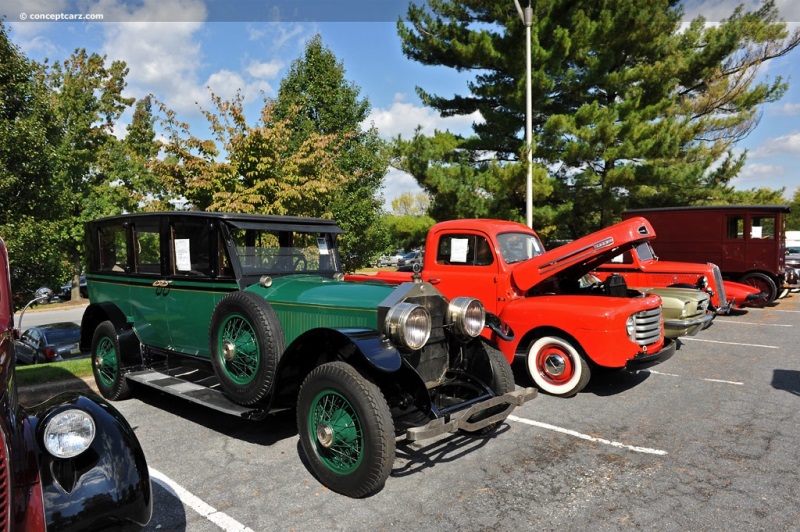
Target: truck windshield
[
  {"x": 517, "y": 247},
  {"x": 281, "y": 252},
  {"x": 645, "y": 252}
]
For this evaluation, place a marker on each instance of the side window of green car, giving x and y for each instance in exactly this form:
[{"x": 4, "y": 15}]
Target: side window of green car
[
  {"x": 191, "y": 248},
  {"x": 147, "y": 248},
  {"x": 112, "y": 248}
]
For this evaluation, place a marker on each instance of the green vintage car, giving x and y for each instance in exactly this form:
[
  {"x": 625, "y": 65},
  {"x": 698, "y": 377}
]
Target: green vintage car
[
  {"x": 685, "y": 310},
  {"x": 250, "y": 314}
]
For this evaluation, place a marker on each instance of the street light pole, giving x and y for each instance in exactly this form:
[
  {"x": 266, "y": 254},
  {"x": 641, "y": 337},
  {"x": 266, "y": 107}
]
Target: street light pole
[{"x": 527, "y": 19}]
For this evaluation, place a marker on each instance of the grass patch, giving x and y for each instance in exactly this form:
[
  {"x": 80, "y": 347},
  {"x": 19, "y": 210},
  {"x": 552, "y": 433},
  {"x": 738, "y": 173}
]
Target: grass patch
[{"x": 54, "y": 371}]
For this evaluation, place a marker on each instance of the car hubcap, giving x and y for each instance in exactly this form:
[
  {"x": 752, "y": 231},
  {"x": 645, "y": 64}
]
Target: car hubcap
[
  {"x": 239, "y": 349},
  {"x": 555, "y": 365},
  {"x": 228, "y": 350},
  {"x": 325, "y": 435},
  {"x": 339, "y": 436}
]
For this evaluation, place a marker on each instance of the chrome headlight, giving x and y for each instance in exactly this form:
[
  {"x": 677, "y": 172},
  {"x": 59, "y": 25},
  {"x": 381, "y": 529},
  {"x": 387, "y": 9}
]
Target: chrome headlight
[
  {"x": 630, "y": 327},
  {"x": 69, "y": 433},
  {"x": 408, "y": 325},
  {"x": 702, "y": 282},
  {"x": 466, "y": 316}
]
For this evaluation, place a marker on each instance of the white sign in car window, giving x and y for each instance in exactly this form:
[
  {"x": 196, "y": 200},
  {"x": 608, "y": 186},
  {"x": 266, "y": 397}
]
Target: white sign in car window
[
  {"x": 458, "y": 249},
  {"x": 756, "y": 232},
  {"x": 183, "y": 259},
  {"x": 323, "y": 246}
]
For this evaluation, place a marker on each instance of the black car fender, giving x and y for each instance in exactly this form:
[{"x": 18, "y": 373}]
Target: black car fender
[
  {"x": 95, "y": 314},
  {"x": 365, "y": 349},
  {"x": 108, "y": 485}
]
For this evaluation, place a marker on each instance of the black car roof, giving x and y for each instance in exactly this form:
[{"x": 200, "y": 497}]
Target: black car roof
[{"x": 238, "y": 219}]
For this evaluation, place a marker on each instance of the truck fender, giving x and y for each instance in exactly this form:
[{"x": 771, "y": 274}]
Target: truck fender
[
  {"x": 95, "y": 314},
  {"x": 354, "y": 346}
]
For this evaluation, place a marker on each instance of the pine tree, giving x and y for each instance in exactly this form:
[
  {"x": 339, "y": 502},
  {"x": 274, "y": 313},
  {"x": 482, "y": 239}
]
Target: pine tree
[{"x": 628, "y": 109}]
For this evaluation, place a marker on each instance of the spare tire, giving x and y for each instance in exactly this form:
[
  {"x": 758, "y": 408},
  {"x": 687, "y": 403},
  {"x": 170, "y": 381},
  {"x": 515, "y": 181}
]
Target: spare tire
[{"x": 246, "y": 342}]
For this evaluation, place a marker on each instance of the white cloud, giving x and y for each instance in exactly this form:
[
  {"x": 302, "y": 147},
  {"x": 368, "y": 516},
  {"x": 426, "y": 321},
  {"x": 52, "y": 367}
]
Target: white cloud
[
  {"x": 226, "y": 84},
  {"x": 403, "y": 117},
  {"x": 786, "y": 109},
  {"x": 396, "y": 183},
  {"x": 783, "y": 145},
  {"x": 262, "y": 70}
]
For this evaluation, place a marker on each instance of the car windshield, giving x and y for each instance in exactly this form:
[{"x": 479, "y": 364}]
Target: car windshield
[
  {"x": 517, "y": 247},
  {"x": 270, "y": 251},
  {"x": 645, "y": 252}
]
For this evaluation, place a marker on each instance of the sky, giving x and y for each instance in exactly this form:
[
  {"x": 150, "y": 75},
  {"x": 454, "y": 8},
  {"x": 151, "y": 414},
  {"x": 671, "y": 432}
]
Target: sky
[{"x": 179, "y": 49}]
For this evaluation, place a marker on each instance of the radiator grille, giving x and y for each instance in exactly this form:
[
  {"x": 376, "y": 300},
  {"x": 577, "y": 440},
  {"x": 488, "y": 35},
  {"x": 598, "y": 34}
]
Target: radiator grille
[
  {"x": 648, "y": 326},
  {"x": 723, "y": 297}
]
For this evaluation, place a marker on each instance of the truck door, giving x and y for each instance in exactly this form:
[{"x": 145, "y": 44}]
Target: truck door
[
  {"x": 763, "y": 246},
  {"x": 466, "y": 265},
  {"x": 733, "y": 248}
]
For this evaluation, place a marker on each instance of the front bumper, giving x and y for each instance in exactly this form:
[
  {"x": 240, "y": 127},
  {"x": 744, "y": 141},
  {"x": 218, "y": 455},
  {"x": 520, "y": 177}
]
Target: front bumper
[
  {"x": 460, "y": 420},
  {"x": 688, "y": 327},
  {"x": 646, "y": 360}
]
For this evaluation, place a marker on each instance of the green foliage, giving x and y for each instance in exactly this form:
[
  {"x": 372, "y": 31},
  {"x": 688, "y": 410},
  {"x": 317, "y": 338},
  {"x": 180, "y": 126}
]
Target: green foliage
[
  {"x": 36, "y": 256},
  {"x": 408, "y": 231},
  {"x": 28, "y": 132},
  {"x": 628, "y": 110},
  {"x": 793, "y": 219},
  {"x": 263, "y": 172}
]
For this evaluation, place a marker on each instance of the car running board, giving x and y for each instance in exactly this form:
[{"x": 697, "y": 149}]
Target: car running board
[{"x": 195, "y": 393}]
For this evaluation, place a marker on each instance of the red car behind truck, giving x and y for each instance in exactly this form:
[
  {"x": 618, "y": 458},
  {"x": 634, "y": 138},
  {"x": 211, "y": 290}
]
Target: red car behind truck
[
  {"x": 562, "y": 327},
  {"x": 642, "y": 268}
]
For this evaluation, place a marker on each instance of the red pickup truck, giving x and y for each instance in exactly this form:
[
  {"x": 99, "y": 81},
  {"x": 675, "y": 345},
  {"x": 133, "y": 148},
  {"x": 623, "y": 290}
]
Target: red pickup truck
[{"x": 560, "y": 325}]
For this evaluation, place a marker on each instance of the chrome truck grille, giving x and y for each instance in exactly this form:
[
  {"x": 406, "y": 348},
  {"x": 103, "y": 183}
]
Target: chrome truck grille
[{"x": 648, "y": 326}]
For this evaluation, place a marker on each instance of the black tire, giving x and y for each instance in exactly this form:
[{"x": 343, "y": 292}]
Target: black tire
[
  {"x": 246, "y": 342},
  {"x": 764, "y": 283},
  {"x": 346, "y": 430},
  {"x": 107, "y": 363},
  {"x": 502, "y": 383}
]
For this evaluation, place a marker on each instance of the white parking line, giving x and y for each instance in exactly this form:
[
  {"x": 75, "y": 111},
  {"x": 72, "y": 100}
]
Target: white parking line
[
  {"x": 221, "y": 519},
  {"x": 684, "y": 338},
  {"x": 570, "y": 432},
  {"x": 707, "y": 380},
  {"x": 717, "y": 320}
]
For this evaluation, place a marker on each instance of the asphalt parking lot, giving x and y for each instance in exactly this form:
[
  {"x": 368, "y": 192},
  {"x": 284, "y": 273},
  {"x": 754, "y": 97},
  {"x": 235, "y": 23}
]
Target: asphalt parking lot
[{"x": 706, "y": 441}]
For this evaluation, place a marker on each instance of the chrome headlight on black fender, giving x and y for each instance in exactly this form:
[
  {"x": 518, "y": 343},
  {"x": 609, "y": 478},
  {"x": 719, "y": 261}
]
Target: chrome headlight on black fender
[
  {"x": 69, "y": 433},
  {"x": 466, "y": 316},
  {"x": 408, "y": 325}
]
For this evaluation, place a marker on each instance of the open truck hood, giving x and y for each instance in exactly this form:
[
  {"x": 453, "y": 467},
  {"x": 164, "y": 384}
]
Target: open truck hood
[{"x": 583, "y": 255}]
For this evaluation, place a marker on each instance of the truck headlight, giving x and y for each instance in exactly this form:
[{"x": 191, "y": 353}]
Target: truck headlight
[
  {"x": 69, "y": 433},
  {"x": 466, "y": 316},
  {"x": 630, "y": 327},
  {"x": 408, "y": 325}
]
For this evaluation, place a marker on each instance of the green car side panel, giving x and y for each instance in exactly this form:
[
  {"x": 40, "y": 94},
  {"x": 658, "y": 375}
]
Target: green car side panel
[{"x": 177, "y": 317}]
